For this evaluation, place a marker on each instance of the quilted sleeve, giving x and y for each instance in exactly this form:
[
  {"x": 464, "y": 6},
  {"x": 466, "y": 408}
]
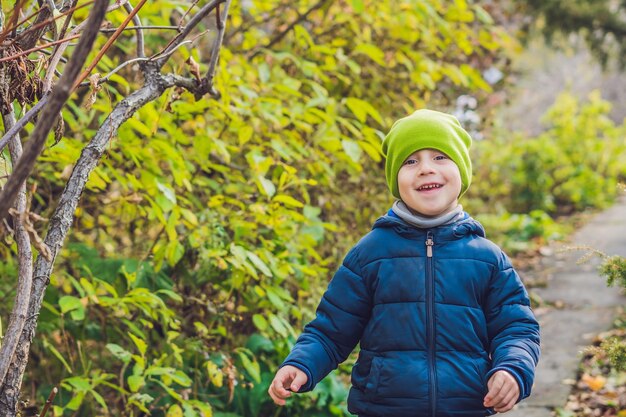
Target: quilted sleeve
[
  {"x": 340, "y": 319},
  {"x": 512, "y": 327}
]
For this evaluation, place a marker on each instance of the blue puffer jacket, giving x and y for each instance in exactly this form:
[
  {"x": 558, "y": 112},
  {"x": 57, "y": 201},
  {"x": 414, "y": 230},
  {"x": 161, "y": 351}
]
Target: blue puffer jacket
[{"x": 436, "y": 312}]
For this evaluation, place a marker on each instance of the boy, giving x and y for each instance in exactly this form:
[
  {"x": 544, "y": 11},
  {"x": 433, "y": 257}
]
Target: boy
[{"x": 443, "y": 320}]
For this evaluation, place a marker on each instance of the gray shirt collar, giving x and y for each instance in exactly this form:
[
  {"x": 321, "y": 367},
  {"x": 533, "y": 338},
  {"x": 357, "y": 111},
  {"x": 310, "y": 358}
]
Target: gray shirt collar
[{"x": 423, "y": 222}]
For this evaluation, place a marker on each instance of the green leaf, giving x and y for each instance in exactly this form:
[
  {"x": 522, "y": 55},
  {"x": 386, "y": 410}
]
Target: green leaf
[
  {"x": 167, "y": 192},
  {"x": 361, "y": 108},
  {"x": 288, "y": 200},
  {"x": 260, "y": 322},
  {"x": 358, "y": 6},
  {"x": 78, "y": 314},
  {"x": 79, "y": 383},
  {"x": 372, "y": 51},
  {"x": 483, "y": 15},
  {"x": 258, "y": 262},
  {"x": 352, "y": 149},
  {"x": 174, "y": 411},
  {"x": 189, "y": 411},
  {"x": 252, "y": 367},
  {"x": 357, "y": 108},
  {"x": 140, "y": 343},
  {"x": 245, "y": 134},
  {"x": 69, "y": 303},
  {"x": 258, "y": 343},
  {"x": 135, "y": 382},
  {"x": 171, "y": 294},
  {"x": 58, "y": 355},
  {"x": 76, "y": 401},
  {"x": 278, "y": 325},
  {"x": 174, "y": 252},
  {"x": 266, "y": 186},
  {"x": 99, "y": 399},
  {"x": 119, "y": 352}
]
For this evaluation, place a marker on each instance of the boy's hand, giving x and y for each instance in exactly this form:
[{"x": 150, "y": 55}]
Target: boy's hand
[
  {"x": 288, "y": 379},
  {"x": 503, "y": 392}
]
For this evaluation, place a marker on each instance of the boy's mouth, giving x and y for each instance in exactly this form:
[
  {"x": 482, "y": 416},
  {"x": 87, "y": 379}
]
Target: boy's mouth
[{"x": 427, "y": 187}]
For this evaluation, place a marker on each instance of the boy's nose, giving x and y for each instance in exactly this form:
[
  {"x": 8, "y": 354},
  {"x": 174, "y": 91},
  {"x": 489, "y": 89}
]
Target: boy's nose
[{"x": 426, "y": 167}]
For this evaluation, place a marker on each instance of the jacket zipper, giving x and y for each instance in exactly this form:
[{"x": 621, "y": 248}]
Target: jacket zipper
[{"x": 430, "y": 314}]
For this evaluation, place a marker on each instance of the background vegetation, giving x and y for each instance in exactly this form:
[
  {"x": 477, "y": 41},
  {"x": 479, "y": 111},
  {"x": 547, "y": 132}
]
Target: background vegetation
[{"x": 211, "y": 227}]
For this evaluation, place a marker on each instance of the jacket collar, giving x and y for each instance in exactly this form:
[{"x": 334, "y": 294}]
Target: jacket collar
[{"x": 463, "y": 227}]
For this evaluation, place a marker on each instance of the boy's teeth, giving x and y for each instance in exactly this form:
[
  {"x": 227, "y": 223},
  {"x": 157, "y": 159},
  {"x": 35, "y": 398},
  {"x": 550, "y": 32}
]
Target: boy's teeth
[{"x": 428, "y": 187}]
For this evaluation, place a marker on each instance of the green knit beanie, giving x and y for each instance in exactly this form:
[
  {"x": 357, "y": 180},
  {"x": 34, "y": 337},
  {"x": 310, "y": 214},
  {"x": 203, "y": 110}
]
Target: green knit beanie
[{"x": 427, "y": 129}]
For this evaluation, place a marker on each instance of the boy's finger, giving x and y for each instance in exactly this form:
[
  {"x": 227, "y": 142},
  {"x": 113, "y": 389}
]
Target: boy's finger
[
  {"x": 494, "y": 396},
  {"x": 507, "y": 406},
  {"x": 510, "y": 399},
  {"x": 298, "y": 381},
  {"x": 282, "y": 388},
  {"x": 276, "y": 398}
]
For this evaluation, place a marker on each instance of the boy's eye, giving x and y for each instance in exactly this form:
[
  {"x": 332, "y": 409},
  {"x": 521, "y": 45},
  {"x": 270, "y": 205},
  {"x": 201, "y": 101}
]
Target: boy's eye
[
  {"x": 440, "y": 157},
  {"x": 410, "y": 162}
]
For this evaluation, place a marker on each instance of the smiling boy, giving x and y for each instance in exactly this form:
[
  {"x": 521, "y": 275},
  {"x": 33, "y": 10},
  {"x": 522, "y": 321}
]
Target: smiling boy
[{"x": 443, "y": 320}]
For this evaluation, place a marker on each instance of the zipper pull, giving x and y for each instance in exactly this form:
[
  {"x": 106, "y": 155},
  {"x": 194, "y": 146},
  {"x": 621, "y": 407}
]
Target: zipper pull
[{"x": 429, "y": 245}]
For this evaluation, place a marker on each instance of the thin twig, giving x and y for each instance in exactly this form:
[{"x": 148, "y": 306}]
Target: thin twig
[
  {"x": 54, "y": 61},
  {"x": 30, "y": 114},
  {"x": 180, "y": 22},
  {"x": 110, "y": 30},
  {"x": 124, "y": 64},
  {"x": 137, "y": 22},
  {"x": 58, "y": 97},
  {"x": 215, "y": 52},
  {"x": 68, "y": 20},
  {"x": 289, "y": 28},
  {"x": 57, "y": 52},
  {"x": 108, "y": 44},
  {"x": 49, "y": 402},
  {"x": 25, "y": 263},
  {"x": 46, "y": 22},
  {"x": 16, "y": 12},
  {"x": 195, "y": 20},
  {"x": 37, "y": 48},
  {"x": 12, "y": 25}
]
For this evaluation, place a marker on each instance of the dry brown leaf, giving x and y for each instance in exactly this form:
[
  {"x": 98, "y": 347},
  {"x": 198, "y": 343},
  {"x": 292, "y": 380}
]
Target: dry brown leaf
[{"x": 596, "y": 383}]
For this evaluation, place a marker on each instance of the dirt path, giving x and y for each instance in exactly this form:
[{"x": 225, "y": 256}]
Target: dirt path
[{"x": 588, "y": 308}]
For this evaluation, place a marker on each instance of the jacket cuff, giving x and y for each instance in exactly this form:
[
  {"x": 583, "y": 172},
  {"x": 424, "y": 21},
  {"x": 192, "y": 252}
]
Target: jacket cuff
[
  {"x": 514, "y": 374},
  {"x": 309, "y": 378}
]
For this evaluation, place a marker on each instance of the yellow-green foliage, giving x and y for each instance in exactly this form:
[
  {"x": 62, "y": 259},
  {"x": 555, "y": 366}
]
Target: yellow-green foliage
[
  {"x": 209, "y": 230},
  {"x": 575, "y": 164},
  {"x": 211, "y": 227},
  {"x": 521, "y": 184}
]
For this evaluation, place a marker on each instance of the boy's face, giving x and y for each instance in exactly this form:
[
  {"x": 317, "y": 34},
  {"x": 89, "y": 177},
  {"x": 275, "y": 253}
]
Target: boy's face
[{"x": 429, "y": 182}]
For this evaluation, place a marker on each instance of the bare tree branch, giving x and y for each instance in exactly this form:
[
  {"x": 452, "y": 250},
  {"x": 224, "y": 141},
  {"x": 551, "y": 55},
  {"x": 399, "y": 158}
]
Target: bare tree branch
[
  {"x": 29, "y": 37},
  {"x": 25, "y": 264},
  {"x": 301, "y": 18},
  {"x": 195, "y": 20},
  {"x": 54, "y": 61},
  {"x": 108, "y": 44},
  {"x": 46, "y": 407},
  {"x": 15, "y": 129},
  {"x": 57, "y": 52},
  {"x": 124, "y": 64},
  {"x": 215, "y": 52},
  {"x": 111, "y": 30},
  {"x": 37, "y": 48},
  {"x": 137, "y": 22},
  {"x": 59, "y": 96},
  {"x": 12, "y": 22},
  {"x": 62, "y": 219},
  {"x": 155, "y": 84}
]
